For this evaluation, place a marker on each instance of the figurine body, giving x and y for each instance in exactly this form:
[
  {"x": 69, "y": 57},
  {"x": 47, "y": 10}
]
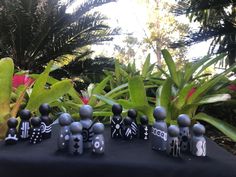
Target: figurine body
[
  {"x": 11, "y": 135},
  {"x": 98, "y": 143},
  {"x": 132, "y": 114},
  {"x": 86, "y": 115},
  {"x": 184, "y": 134},
  {"x": 143, "y": 128},
  {"x": 159, "y": 129},
  {"x": 126, "y": 129},
  {"x": 46, "y": 124},
  {"x": 173, "y": 148},
  {"x": 24, "y": 127},
  {"x": 35, "y": 132},
  {"x": 198, "y": 141},
  {"x": 64, "y": 133},
  {"x": 76, "y": 139},
  {"x": 116, "y": 121}
]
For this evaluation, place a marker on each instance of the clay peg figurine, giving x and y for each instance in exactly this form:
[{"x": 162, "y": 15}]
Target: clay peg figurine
[
  {"x": 46, "y": 124},
  {"x": 159, "y": 129},
  {"x": 98, "y": 143},
  {"x": 86, "y": 115},
  {"x": 76, "y": 139},
  {"x": 116, "y": 121},
  {"x": 143, "y": 128},
  {"x": 35, "y": 132},
  {"x": 126, "y": 129},
  {"x": 134, "y": 127},
  {"x": 11, "y": 135},
  {"x": 198, "y": 141},
  {"x": 184, "y": 134},
  {"x": 24, "y": 127},
  {"x": 64, "y": 134},
  {"x": 173, "y": 148}
]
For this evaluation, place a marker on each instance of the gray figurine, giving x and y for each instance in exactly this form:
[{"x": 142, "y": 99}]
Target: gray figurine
[
  {"x": 159, "y": 129},
  {"x": 98, "y": 143},
  {"x": 64, "y": 134},
  {"x": 184, "y": 134},
  {"x": 86, "y": 115},
  {"x": 76, "y": 139},
  {"x": 172, "y": 147},
  {"x": 198, "y": 141}
]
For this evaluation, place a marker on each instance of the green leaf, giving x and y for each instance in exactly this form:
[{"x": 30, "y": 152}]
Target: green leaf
[
  {"x": 146, "y": 66},
  {"x": 98, "y": 90},
  {"x": 6, "y": 74},
  {"x": 49, "y": 95},
  {"x": 171, "y": 66},
  {"x": 105, "y": 99},
  {"x": 182, "y": 95},
  {"x": 224, "y": 127},
  {"x": 75, "y": 96},
  {"x": 214, "y": 98}
]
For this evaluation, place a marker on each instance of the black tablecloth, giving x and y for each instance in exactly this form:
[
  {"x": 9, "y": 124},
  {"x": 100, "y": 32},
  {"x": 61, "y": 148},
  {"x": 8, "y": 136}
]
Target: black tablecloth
[{"x": 121, "y": 159}]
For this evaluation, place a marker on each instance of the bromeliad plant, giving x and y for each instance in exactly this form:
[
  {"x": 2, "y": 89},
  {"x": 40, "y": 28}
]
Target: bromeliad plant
[
  {"x": 11, "y": 100},
  {"x": 185, "y": 90}
]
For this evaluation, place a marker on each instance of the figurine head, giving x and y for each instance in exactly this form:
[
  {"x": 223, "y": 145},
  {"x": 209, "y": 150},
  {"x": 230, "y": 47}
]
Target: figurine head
[
  {"x": 25, "y": 114},
  {"x": 183, "y": 120},
  {"x": 159, "y": 113},
  {"x": 86, "y": 112},
  {"x": 132, "y": 113},
  {"x": 127, "y": 121},
  {"x": 12, "y": 122},
  {"x": 117, "y": 109},
  {"x": 144, "y": 120},
  {"x": 35, "y": 121},
  {"x": 65, "y": 119},
  {"x": 76, "y": 127},
  {"x": 173, "y": 131},
  {"x": 44, "y": 109},
  {"x": 198, "y": 129},
  {"x": 98, "y": 128}
]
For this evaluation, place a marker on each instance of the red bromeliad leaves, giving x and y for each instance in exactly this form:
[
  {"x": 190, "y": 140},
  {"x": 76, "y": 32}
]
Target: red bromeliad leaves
[
  {"x": 21, "y": 80},
  {"x": 85, "y": 100},
  {"x": 190, "y": 93},
  {"x": 232, "y": 87}
]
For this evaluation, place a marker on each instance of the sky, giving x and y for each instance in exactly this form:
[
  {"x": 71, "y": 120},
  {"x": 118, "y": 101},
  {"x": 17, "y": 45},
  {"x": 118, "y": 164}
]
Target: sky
[{"x": 132, "y": 17}]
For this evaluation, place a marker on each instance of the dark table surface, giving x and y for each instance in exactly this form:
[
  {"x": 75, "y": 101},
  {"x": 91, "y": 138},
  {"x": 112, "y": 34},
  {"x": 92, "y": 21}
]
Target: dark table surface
[{"x": 121, "y": 159}]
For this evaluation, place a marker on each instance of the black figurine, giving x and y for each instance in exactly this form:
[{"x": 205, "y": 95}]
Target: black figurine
[
  {"x": 159, "y": 129},
  {"x": 126, "y": 129},
  {"x": 46, "y": 124},
  {"x": 98, "y": 143},
  {"x": 24, "y": 127},
  {"x": 116, "y": 121},
  {"x": 64, "y": 134},
  {"x": 198, "y": 141},
  {"x": 173, "y": 148},
  {"x": 86, "y": 115},
  {"x": 11, "y": 135},
  {"x": 132, "y": 113},
  {"x": 184, "y": 134},
  {"x": 143, "y": 128},
  {"x": 76, "y": 139},
  {"x": 35, "y": 132}
]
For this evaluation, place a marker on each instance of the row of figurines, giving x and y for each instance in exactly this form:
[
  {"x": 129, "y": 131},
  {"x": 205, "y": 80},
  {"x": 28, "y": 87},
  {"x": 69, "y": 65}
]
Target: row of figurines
[
  {"x": 173, "y": 140},
  {"x": 30, "y": 128}
]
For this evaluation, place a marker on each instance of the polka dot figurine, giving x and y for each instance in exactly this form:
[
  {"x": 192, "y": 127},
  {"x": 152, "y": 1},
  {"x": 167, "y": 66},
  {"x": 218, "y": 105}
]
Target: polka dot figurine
[
  {"x": 116, "y": 121},
  {"x": 64, "y": 134},
  {"x": 76, "y": 139},
  {"x": 173, "y": 148},
  {"x": 11, "y": 135},
  {"x": 35, "y": 132},
  {"x": 98, "y": 143}
]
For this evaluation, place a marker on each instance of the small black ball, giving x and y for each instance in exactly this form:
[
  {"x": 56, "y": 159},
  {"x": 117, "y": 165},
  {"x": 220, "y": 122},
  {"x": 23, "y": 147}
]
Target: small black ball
[
  {"x": 127, "y": 121},
  {"x": 12, "y": 122},
  {"x": 44, "y": 109},
  {"x": 144, "y": 120},
  {"x": 86, "y": 112},
  {"x": 159, "y": 113},
  {"x": 117, "y": 109},
  {"x": 183, "y": 120},
  {"x": 25, "y": 114},
  {"x": 35, "y": 121},
  {"x": 132, "y": 113},
  {"x": 198, "y": 129}
]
